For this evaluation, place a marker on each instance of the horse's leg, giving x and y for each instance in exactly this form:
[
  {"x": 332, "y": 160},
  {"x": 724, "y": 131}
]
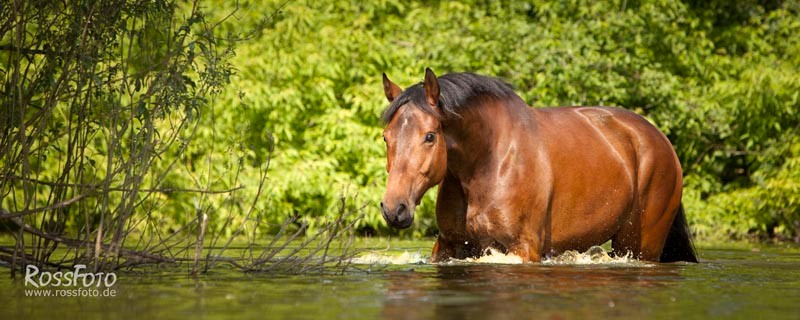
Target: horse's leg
[
  {"x": 660, "y": 208},
  {"x": 441, "y": 252},
  {"x": 528, "y": 222},
  {"x": 451, "y": 212},
  {"x": 628, "y": 239},
  {"x": 529, "y": 251},
  {"x": 657, "y": 201},
  {"x": 533, "y": 232}
]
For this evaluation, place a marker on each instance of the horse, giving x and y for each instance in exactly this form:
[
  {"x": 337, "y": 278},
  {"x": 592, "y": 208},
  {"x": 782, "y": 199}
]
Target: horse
[{"x": 533, "y": 182}]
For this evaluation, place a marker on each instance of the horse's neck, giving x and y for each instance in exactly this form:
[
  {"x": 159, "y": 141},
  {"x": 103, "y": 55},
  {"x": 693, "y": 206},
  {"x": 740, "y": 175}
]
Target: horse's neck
[{"x": 476, "y": 137}]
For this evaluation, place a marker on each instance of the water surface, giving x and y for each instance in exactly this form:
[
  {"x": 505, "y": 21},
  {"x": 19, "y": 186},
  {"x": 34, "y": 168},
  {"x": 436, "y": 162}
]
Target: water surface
[{"x": 730, "y": 282}]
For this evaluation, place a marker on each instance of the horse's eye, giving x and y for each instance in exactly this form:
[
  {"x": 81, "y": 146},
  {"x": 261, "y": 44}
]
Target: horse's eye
[
  {"x": 430, "y": 137},
  {"x": 384, "y": 139}
]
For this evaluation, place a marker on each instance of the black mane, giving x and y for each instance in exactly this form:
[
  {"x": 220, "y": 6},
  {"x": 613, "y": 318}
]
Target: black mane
[{"x": 455, "y": 92}]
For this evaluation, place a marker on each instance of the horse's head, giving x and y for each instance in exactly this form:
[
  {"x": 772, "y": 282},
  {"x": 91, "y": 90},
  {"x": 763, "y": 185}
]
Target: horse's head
[{"x": 416, "y": 156}]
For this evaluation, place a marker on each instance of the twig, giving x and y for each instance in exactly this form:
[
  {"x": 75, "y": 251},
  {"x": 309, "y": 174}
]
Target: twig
[
  {"x": 203, "y": 218},
  {"x": 118, "y": 189},
  {"x": 78, "y": 243},
  {"x": 8, "y": 215},
  {"x": 8, "y": 47}
]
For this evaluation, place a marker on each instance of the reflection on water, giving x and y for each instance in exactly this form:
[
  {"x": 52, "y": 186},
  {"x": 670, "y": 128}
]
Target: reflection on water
[
  {"x": 511, "y": 291},
  {"x": 728, "y": 283}
]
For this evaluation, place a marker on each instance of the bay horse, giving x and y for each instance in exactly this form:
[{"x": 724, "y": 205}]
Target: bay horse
[{"x": 530, "y": 181}]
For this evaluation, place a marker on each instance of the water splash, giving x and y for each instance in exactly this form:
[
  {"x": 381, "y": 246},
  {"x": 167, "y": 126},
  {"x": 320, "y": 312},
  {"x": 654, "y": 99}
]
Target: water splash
[
  {"x": 385, "y": 258},
  {"x": 495, "y": 256},
  {"x": 596, "y": 255},
  {"x": 492, "y": 256}
]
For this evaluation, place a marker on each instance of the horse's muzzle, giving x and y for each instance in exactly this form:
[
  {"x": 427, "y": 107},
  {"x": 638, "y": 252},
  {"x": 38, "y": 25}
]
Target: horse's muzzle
[{"x": 401, "y": 217}]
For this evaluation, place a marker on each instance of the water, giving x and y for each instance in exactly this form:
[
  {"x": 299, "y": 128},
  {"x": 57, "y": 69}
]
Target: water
[{"x": 737, "y": 282}]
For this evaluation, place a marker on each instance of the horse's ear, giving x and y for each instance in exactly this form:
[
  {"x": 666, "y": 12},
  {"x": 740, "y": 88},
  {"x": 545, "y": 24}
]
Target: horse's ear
[
  {"x": 431, "y": 88},
  {"x": 390, "y": 89}
]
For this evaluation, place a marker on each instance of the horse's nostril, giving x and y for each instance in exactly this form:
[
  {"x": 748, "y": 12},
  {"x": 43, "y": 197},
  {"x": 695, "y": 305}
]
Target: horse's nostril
[
  {"x": 401, "y": 209},
  {"x": 381, "y": 205}
]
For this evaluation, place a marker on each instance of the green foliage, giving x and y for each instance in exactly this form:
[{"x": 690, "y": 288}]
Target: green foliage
[
  {"x": 99, "y": 101},
  {"x": 721, "y": 79}
]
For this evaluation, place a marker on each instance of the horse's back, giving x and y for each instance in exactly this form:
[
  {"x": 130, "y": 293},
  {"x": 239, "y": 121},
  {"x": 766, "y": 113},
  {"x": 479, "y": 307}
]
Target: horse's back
[{"x": 604, "y": 129}]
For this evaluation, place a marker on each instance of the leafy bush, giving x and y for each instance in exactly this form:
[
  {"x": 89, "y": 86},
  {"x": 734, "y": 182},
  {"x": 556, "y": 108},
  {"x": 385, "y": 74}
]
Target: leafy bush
[
  {"x": 99, "y": 101},
  {"x": 719, "y": 79}
]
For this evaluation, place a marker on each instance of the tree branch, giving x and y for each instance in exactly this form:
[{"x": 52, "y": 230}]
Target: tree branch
[{"x": 8, "y": 47}]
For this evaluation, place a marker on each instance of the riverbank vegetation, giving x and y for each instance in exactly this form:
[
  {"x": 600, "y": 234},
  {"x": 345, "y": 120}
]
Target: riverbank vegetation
[
  {"x": 721, "y": 79},
  {"x": 132, "y": 128}
]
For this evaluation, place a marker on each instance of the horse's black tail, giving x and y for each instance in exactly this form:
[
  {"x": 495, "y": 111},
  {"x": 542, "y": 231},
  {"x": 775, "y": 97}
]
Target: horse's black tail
[{"x": 678, "y": 246}]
